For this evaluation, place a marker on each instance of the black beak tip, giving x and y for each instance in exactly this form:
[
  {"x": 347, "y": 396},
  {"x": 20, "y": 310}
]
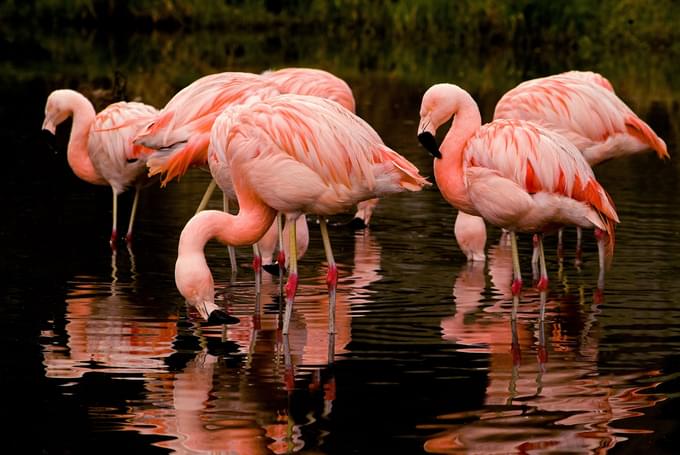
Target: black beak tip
[
  {"x": 430, "y": 143},
  {"x": 219, "y": 317}
]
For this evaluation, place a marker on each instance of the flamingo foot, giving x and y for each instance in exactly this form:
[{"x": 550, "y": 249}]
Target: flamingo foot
[
  {"x": 114, "y": 237},
  {"x": 542, "y": 284},
  {"x": 218, "y": 317},
  {"x": 128, "y": 238}
]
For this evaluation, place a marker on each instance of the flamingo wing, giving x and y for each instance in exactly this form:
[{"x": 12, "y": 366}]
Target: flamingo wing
[
  {"x": 583, "y": 110},
  {"x": 312, "y": 81},
  {"x": 537, "y": 160},
  {"x": 328, "y": 157},
  {"x": 110, "y": 143}
]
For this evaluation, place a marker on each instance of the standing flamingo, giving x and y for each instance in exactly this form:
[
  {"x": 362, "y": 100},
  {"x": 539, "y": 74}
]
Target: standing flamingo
[
  {"x": 515, "y": 174},
  {"x": 100, "y": 149},
  {"x": 581, "y": 106},
  {"x": 292, "y": 154},
  {"x": 316, "y": 82}
]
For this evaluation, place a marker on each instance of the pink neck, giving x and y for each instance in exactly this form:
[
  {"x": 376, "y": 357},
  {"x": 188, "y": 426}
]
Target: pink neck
[
  {"x": 78, "y": 154},
  {"x": 448, "y": 170},
  {"x": 245, "y": 228}
]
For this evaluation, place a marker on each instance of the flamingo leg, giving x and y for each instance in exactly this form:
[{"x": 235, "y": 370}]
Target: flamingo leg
[
  {"x": 281, "y": 258},
  {"x": 542, "y": 284},
  {"x": 114, "y": 233},
  {"x": 230, "y": 249},
  {"x": 206, "y": 196},
  {"x": 332, "y": 276},
  {"x": 601, "y": 237},
  {"x": 560, "y": 244},
  {"x": 535, "y": 258},
  {"x": 257, "y": 267},
  {"x": 292, "y": 284},
  {"x": 579, "y": 251},
  {"x": 135, "y": 201},
  {"x": 517, "y": 279}
]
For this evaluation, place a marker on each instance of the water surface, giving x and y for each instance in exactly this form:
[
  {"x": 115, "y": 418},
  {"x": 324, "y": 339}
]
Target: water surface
[{"x": 102, "y": 355}]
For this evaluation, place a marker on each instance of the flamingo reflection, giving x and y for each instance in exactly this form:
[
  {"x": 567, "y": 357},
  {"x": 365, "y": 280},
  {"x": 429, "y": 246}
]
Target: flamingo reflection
[
  {"x": 560, "y": 402},
  {"x": 216, "y": 405},
  {"x": 107, "y": 331}
]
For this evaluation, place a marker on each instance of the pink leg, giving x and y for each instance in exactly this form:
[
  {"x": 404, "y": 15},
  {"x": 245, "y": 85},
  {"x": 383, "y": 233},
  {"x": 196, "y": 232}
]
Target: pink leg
[
  {"x": 114, "y": 233},
  {"x": 517, "y": 280},
  {"x": 133, "y": 212},
  {"x": 331, "y": 277},
  {"x": 257, "y": 267},
  {"x": 292, "y": 283},
  {"x": 579, "y": 251}
]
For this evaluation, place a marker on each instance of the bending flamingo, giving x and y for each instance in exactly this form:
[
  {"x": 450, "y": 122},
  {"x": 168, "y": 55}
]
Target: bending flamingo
[
  {"x": 515, "y": 174},
  {"x": 100, "y": 148},
  {"x": 582, "y": 106},
  {"x": 314, "y": 156}
]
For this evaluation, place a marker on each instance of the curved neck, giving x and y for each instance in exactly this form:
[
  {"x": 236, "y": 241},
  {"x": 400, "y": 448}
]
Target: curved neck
[
  {"x": 78, "y": 154},
  {"x": 448, "y": 170},
  {"x": 245, "y": 228}
]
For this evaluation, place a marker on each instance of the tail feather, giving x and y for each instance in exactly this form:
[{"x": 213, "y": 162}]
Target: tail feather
[
  {"x": 638, "y": 128},
  {"x": 411, "y": 180}
]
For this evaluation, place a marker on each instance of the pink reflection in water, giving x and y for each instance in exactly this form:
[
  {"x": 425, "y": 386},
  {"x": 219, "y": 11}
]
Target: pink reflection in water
[
  {"x": 544, "y": 391},
  {"x": 214, "y": 407}
]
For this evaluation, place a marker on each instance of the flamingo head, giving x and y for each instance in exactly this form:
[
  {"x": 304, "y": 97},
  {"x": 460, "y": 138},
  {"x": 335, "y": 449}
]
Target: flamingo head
[
  {"x": 195, "y": 282},
  {"x": 440, "y": 103},
  {"x": 57, "y": 110}
]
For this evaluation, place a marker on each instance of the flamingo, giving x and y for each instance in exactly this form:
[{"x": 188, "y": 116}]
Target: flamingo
[
  {"x": 515, "y": 174},
  {"x": 315, "y": 157},
  {"x": 582, "y": 106},
  {"x": 100, "y": 149},
  {"x": 181, "y": 133},
  {"x": 317, "y": 82}
]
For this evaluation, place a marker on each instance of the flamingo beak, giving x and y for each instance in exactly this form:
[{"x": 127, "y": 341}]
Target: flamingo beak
[{"x": 430, "y": 143}]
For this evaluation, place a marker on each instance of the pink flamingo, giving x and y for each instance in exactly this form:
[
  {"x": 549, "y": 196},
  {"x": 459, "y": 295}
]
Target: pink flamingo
[
  {"x": 581, "y": 106},
  {"x": 316, "y": 82},
  {"x": 315, "y": 157},
  {"x": 181, "y": 133},
  {"x": 515, "y": 174},
  {"x": 100, "y": 149}
]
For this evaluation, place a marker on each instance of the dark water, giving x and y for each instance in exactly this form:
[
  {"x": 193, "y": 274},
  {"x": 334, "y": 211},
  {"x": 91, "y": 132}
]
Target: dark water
[{"x": 100, "y": 355}]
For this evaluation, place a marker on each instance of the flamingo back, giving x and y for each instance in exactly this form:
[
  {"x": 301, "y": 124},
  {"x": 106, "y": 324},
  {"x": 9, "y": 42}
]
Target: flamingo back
[
  {"x": 328, "y": 158},
  {"x": 582, "y": 108},
  {"x": 315, "y": 82}
]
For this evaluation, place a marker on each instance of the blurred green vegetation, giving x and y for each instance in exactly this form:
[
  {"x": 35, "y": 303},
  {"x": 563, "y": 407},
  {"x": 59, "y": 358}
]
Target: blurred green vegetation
[
  {"x": 157, "y": 47},
  {"x": 478, "y": 23}
]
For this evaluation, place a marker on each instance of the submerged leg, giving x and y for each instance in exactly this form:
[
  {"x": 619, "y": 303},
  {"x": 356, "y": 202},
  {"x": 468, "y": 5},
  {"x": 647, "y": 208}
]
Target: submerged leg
[
  {"x": 128, "y": 236},
  {"x": 331, "y": 277},
  {"x": 292, "y": 283},
  {"x": 206, "y": 196},
  {"x": 517, "y": 274}
]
